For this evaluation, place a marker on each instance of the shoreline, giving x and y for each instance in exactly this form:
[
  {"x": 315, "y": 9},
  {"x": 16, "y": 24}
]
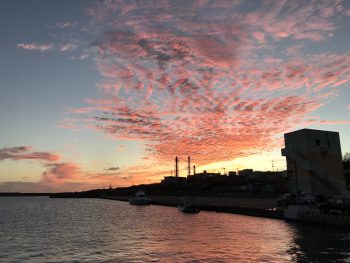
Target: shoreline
[{"x": 259, "y": 207}]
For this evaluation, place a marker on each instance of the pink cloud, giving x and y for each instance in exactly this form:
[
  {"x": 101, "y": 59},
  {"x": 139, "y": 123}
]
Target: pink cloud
[
  {"x": 47, "y": 47},
  {"x": 335, "y": 122},
  {"x": 61, "y": 172},
  {"x": 26, "y": 153},
  {"x": 66, "y": 174},
  {"x": 35, "y": 47},
  {"x": 200, "y": 85},
  {"x": 217, "y": 119},
  {"x": 66, "y": 24},
  {"x": 60, "y": 176},
  {"x": 259, "y": 36},
  {"x": 68, "y": 47},
  {"x": 207, "y": 80},
  {"x": 298, "y": 20},
  {"x": 69, "y": 176}
]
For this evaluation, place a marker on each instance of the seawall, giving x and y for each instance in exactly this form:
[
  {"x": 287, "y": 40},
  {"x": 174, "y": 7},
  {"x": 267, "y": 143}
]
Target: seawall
[{"x": 262, "y": 207}]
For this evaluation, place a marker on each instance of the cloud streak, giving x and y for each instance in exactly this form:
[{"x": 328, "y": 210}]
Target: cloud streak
[
  {"x": 113, "y": 169},
  {"x": 68, "y": 47},
  {"x": 26, "y": 153},
  {"x": 35, "y": 47},
  {"x": 66, "y": 24}
]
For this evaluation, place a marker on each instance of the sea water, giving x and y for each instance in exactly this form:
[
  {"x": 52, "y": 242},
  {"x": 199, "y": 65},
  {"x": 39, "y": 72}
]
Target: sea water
[{"x": 40, "y": 229}]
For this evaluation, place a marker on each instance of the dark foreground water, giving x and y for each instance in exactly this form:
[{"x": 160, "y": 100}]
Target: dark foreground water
[{"x": 39, "y": 229}]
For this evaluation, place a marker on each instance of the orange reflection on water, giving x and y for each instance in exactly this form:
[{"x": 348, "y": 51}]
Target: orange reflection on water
[{"x": 215, "y": 237}]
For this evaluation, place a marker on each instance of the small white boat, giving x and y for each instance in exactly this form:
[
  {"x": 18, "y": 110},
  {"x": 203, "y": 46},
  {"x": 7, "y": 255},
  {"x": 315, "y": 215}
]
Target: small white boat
[
  {"x": 301, "y": 205},
  {"x": 140, "y": 199},
  {"x": 297, "y": 212},
  {"x": 188, "y": 207}
]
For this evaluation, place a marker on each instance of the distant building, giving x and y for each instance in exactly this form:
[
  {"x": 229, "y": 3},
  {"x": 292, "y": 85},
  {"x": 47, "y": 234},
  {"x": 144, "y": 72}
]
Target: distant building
[
  {"x": 232, "y": 173},
  {"x": 173, "y": 180},
  {"x": 245, "y": 172},
  {"x": 314, "y": 162},
  {"x": 205, "y": 175}
]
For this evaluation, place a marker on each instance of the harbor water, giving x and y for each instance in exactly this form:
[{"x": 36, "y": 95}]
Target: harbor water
[{"x": 40, "y": 229}]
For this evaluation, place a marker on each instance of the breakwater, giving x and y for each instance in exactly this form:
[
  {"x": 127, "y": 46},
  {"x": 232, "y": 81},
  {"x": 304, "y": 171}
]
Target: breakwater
[
  {"x": 244, "y": 206},
  {"x": 258, "y": 207}
]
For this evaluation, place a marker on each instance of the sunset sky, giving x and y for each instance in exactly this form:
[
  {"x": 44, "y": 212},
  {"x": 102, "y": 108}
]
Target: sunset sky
[{"x": 93, "y": 90}]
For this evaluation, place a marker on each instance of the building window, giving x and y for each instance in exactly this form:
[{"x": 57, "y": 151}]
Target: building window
[{"x": 318, "y": 142}]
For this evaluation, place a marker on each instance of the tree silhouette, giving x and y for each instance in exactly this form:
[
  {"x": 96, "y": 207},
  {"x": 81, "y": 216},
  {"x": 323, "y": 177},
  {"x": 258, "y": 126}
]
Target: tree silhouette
[{"x": 346, "y": 160}]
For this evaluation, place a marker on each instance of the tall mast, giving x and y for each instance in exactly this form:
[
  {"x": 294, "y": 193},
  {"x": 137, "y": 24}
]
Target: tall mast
[
  {"x": 176, "y": 167},
  {"x": 189, "y": 166}
]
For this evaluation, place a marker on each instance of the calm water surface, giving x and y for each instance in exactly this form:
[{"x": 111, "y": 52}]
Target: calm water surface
[{"x": 39, "y": 229}]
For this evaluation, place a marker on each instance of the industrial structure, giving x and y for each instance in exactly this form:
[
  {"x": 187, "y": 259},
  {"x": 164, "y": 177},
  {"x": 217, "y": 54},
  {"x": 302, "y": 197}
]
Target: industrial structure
[
  {"x": 176, "y": 167},
  {"x": 314, "y": 162}
]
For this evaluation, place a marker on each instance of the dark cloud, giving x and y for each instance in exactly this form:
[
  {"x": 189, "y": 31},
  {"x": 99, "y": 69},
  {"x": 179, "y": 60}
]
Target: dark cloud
[
  {"x": 113, "y": 169},
  {"x": 25, "y": 153}
]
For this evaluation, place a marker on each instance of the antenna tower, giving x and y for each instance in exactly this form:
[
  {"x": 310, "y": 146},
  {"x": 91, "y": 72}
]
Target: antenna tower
[
  {"x": 176, "y": 166},
  {"x": 189, "y": 166}
]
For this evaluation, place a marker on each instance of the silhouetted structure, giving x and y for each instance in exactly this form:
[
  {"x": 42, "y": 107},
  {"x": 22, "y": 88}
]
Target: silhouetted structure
[
  {"x": 245, "y": 172},
  {"x": 232, "y": 173},
  {"x": 314, "y": 162},
  {"x": 168, "y": 180},
  {"x": 189, "y": 166},
  {"x": 205, "y": 175},
  {"x": 176, "y": 167}
]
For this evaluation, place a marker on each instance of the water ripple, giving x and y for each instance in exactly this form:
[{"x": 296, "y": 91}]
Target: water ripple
[{"x": 91, "y": 230}]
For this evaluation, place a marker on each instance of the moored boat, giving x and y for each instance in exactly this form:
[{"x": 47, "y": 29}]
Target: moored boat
[
  {"x": 297, "y": 212},
  {"x": 140, "y": 199},
  {"x": 188, "y": 207}
]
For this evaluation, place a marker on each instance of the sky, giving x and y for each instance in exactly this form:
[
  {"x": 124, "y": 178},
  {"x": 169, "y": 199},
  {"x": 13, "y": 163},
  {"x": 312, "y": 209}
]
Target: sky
[{"x": 94, "y": 92}]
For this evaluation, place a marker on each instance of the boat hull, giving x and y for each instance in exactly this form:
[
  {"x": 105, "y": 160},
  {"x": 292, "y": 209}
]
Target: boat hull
[
  {"x": 139, "y": 201},
  {"x": 297, "y": 212},
  {"x": 189, "y": 209}
]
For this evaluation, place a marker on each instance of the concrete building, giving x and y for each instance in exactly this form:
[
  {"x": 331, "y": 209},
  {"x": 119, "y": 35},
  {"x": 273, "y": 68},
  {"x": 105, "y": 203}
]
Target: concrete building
[
  {"x": 232, "y": 173},
  {"x": 314, "y": 162},
  {"x": 168, "y": 180},
  {"x": 204, "y": 175},
  {"x": 245, "y": 172}
]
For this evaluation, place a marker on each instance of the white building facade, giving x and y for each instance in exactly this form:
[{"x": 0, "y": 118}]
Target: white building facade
[{"x": 314, "y": 162}]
